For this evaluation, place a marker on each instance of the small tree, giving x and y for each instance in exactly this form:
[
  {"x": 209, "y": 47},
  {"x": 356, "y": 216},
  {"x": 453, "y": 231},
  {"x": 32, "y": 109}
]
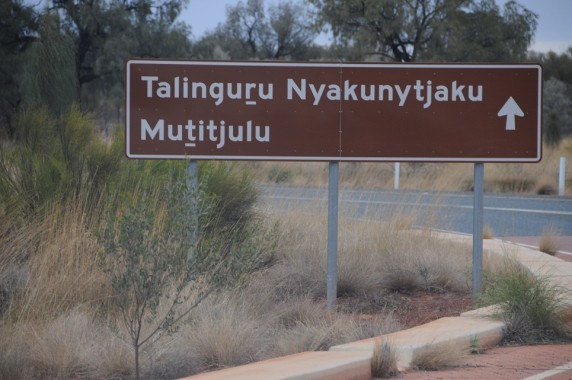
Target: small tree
[
  {"x": 159, "y": 267},
  {"x": 145, "y": 259}
]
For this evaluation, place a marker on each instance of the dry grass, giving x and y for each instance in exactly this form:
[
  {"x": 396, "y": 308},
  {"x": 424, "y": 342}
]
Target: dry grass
[
  {"x": 548, "y": 243},
  {"x": 421, "y": 261},
  {"x": 57, "y": 308},
  {"x": 540, "y": 178},
  {"x": 229, "y": 329},
  {"x": 73, "y": 345},
  {"x": 372, "y": 257},
  {"x": 238, "y": 327},
  {"x": 436, "y": 357},
  {"x": 54, "y": 266},
  {"x": 488, "y": 232},
  {"x": 384, "y": 360}
]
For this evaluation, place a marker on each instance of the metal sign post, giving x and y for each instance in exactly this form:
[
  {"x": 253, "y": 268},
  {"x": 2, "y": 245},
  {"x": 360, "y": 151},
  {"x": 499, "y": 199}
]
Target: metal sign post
[
  {"x": 478, "y": 191},
  {"x": 193, "y": 189},
  {"x": 332, "y": 261}
]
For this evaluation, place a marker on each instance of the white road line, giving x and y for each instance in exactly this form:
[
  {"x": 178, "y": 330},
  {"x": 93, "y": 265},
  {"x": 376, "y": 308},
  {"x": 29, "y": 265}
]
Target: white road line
[
  {"x": 533, "y": 211},
  {"x": 530, "y": 211},
  {"x": 551, "y": 372}
]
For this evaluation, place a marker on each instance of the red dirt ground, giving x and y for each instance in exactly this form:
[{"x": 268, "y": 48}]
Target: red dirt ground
[
  {"x": 505, "y": 363},
  {"x": 410, "y": 308}
]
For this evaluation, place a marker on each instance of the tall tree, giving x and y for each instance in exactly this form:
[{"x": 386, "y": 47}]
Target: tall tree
[
  {"x": 556, "y": 65},
  {"x": 429, "y": 30},
  {"x": 107, "y": 32},
  {"x": 484, "y": 32},
  {"x": 18, "y": 28},
  {"x": 49, "y": 77},
  {"x": 557, "y": 107},
  {"x": 390, "y": 29},
  {"x": 283, "y": 31},
  {"x": 557, "y": 110}
]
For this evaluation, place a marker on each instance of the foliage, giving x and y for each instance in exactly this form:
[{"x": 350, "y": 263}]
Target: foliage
[
  {"x": 164, "y": 255},
  {"x": 143, "y": 28},
  {"x": 548, "y": 241},
  {"x": 285, "y": 32},
  {"x": 17, "y": 28},
  {"x": 552, "y": 125},
  {"x": 232, "y": 194},
  {"x": 397, "y": 30},
  {"x": 557, "y": 108},
  {"x": 482, "y": 32},
  {"x": 558, "y": 66},
  {"x": 49, "y": 77},
  {"x": 146, "y": 258},
  {"x": 279, "y": 175},
  {"x": 443, "y": 30},
  {"x": 53, "y": 158},
  {"x": 529, "y": 304}
]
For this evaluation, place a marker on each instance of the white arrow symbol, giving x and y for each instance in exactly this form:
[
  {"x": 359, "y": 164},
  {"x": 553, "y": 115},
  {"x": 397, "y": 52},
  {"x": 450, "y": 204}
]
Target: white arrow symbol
[{"x": 510, "y": 110}]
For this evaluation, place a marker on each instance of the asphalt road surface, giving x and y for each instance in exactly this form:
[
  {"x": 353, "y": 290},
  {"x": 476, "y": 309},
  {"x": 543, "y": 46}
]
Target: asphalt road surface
[{"x": 505, "y": 215}]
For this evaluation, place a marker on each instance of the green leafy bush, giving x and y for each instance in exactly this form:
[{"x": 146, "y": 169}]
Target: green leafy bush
[
  {"x": 232, "y": 193},
  {"x": 528, "y": 304},
  {"x": 54, "y": 158}
]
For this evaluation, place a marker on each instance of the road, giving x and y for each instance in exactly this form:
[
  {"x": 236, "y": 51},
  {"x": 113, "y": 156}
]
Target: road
[
  {"x": 506, "y": 215},
  {"x": 519, "y": 217}
]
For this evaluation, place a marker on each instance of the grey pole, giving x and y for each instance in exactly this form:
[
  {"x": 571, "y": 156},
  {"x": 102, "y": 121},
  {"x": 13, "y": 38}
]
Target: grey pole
[
  {"x": 562, "y": 177},
  {"x": 193, "y": 187},
  {"x": 478, "y": 227},
  {"x": 332, "y": 262},
  {"x": 396, "y": 177}
]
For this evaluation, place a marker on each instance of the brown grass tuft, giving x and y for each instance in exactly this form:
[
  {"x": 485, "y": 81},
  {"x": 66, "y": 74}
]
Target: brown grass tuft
[
  {"x": 225, "y": 331},
  {"x": 384, "y": 360},
  {"x": 548, "y": 243},
  {"x": 73, "y": 345},
  {"x": 56, "y": 267},
  {"x": 488, "y": 232},
  {"x": 436, "y": 357}
]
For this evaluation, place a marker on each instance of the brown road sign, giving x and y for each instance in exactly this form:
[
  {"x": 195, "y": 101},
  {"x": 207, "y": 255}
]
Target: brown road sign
[{"x": 333, "y": 111}]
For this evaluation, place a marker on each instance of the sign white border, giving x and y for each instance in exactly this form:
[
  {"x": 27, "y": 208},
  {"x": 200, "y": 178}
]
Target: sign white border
[{"x": 334, "y": 65}]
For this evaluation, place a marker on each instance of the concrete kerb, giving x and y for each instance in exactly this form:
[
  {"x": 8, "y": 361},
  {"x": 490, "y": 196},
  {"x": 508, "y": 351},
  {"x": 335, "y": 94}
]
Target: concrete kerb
[{"x": 353, "y": 360}]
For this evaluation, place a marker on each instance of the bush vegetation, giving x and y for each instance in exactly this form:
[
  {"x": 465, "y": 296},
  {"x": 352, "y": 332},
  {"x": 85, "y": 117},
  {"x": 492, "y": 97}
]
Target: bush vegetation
[
  {"x": 113, "y": 244},
  {"x": 106, "y": 264},
  {"x": 123, "y": 253},
  {"x": 548, "y": 243},
  {"x": 67, "y": 265},
  {"x": 529, "y": 305}
]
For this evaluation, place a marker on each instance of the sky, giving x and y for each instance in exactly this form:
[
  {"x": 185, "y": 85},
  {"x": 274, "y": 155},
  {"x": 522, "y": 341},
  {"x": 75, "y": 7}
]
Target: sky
[{"x": 554, "y": 31}]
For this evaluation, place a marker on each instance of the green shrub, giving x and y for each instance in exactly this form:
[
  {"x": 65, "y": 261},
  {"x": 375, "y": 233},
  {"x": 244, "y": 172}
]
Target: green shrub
[
  {"x": 528, "y": 304},
  {"x": 232, "y": 193},
  {"x": 54, "y": 158}
]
